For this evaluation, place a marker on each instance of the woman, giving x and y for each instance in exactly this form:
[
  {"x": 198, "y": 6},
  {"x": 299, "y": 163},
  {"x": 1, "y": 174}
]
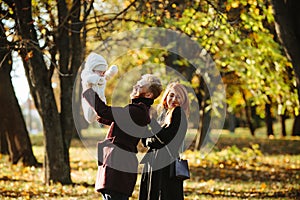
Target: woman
[{"x": 158, "y": 178}]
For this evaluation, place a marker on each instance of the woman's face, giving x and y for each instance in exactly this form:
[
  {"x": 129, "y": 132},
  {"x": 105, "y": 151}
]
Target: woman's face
[{"x": 173, "y": 99}]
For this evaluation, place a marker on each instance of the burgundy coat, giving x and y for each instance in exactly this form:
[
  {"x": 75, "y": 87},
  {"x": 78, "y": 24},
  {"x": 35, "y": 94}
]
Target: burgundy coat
[{"x": 119, "y": 164}]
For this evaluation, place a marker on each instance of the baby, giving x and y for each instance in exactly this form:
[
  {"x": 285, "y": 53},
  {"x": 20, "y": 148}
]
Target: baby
[{"x": 95, "y": 75}]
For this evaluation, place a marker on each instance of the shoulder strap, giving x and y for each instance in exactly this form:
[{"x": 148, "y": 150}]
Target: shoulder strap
[{"x": 150, "y": 129}]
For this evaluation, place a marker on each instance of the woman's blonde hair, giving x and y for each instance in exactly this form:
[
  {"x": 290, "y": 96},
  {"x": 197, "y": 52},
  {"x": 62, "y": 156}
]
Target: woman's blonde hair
[{"x": 180, "y": 90}]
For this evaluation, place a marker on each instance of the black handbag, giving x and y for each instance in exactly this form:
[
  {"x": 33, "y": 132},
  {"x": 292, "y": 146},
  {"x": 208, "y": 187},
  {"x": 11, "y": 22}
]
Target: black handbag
[{"x": 182, "y": 171}]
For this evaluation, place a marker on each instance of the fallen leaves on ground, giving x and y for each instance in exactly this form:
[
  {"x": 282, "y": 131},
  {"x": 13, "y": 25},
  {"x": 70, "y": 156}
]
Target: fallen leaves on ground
[{"x": 230, "y": 172}]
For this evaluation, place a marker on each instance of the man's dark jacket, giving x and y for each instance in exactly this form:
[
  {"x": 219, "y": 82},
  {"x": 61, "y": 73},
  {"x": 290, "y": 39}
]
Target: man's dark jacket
[{"x": 118, "y": 169}]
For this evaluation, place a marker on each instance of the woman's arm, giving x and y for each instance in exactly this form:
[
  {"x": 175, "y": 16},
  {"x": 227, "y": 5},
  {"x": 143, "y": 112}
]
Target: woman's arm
[{"x": 165, "y": 134}]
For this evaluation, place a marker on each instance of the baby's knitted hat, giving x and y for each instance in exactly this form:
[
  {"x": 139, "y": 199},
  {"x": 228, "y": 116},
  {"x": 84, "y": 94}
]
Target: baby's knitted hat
[{"x": 96, "y": 62}]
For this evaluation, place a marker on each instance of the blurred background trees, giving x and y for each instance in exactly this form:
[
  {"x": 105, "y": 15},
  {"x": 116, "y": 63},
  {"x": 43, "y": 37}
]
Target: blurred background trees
[{"x": 254, "y": 43}]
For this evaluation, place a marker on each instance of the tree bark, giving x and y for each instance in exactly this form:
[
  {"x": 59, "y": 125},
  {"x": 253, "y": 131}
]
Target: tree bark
[
  {"x": 12, "y": 122},
  {"x": 70, "y": 51},
  {"x": 231, "y": 122},
  {"x": 203, "y": 130},
  {"x": 283, "y": 127},
  {"x": 3, "y": 142},
  {"x": 269, "y": 120},
  {"x": 63, "y": 46},
  {"x": 296, "y": 126},
  {"x": 56, "y": 166},
  {"x": 287, "y": 27},
  {"x": 200, "y": 133},
  {"x": 248, "y": 115}
]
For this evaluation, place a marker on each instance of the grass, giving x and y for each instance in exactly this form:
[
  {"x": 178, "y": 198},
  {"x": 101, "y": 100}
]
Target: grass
[{"x": 238, "y": 167}]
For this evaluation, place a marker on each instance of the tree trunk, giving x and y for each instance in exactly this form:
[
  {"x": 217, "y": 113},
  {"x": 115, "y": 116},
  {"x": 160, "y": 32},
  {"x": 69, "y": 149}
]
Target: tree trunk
[
  {"x": 283, "y": 127},
  {"x": 269, "y": 120},
  {"x": 70, "y": 51},
  {"x": 287, "y": 26},
  {"x": 248, "y": 115},
  {"x": 57, "y": 167},
  {"x": 12, "y": 122},
  {"x": 203, "y": 130},
  {"x": 78, "y": 50},
  {"x": 63, "y": 46},
  {"x": 3, "y": 141},
  {"x": 17, "y": 137},
  {"x": 296, "y": 126},
  {"x": 200, "y": 137},
  {"x": 172, "y": 59},
  {"x": 77, "y": 54},
  {"x": 231, "y": 122}
]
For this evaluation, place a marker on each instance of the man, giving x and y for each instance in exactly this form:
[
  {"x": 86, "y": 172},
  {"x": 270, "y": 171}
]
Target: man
[{"x": 117, "y": 170}]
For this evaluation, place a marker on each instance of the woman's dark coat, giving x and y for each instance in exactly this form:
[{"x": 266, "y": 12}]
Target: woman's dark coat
[
  {"x": 158, "y": 181},
  {"x": 118, "y": 162}
]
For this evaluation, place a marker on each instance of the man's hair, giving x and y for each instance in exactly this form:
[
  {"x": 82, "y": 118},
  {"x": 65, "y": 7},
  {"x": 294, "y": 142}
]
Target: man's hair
[{"x": 154, "y": 84}]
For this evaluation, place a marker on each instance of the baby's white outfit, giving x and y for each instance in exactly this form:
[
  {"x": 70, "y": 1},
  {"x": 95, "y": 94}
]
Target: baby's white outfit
[{"x": 89, "y": 79}]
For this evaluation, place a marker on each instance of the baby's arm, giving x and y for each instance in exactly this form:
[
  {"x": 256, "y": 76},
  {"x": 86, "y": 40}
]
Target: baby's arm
[{"x": 113, "y": 70}]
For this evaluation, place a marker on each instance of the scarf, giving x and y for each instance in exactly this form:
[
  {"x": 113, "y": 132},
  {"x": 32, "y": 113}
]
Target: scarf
[{"x": 148, "y": 102}]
